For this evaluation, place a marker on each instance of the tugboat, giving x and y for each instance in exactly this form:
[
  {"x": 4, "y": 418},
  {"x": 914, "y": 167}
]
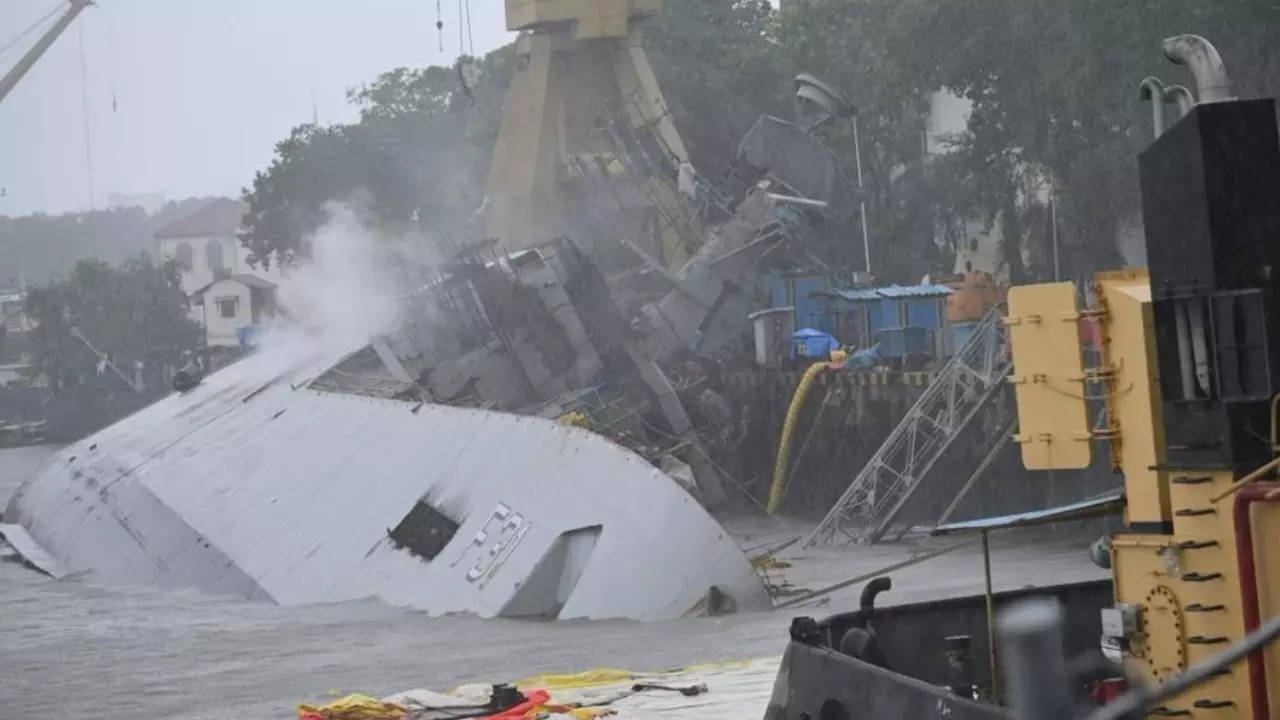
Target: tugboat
[{"x": 1192, "y": 396}]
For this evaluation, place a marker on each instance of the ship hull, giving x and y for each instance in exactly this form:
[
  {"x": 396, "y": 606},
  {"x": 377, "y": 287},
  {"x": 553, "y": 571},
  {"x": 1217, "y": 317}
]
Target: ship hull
[{"x": 253, "y": 484}]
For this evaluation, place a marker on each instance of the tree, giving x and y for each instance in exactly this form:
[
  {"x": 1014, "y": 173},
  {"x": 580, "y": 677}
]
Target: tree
[
  {"x": 135, "y": 311},
  {"x": 1053, "y": 93},
  {"x": 1052, "y": 88},
  {"x": 719, "y": 70},
  {"x": 415, "y": 161}
]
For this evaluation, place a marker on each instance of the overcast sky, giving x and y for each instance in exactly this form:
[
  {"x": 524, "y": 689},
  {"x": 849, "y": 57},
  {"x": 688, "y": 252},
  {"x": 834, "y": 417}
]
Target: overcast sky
[{"x": 204, "y": 88}]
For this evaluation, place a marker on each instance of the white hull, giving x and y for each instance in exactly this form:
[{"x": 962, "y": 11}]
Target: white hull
[{"x": 253, "y": 484}]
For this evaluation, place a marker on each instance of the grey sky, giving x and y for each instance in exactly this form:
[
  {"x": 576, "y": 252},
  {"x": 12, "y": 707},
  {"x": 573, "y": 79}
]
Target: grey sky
[{"x": 204, "y": 88}]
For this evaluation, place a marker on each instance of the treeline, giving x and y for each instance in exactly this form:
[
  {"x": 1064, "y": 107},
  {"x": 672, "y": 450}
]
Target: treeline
[
  {"x": 133, "y": 313},
  {"x": 1053, "y": 86},
  {"x": 40, "y": 247},
  {"x": 1052, "y": 83}
]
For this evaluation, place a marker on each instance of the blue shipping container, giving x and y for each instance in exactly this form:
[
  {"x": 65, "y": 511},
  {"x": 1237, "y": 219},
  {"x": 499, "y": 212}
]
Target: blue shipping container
[
  {"x": 923, "y": 312},
  {"x": 898, "y": 342}
]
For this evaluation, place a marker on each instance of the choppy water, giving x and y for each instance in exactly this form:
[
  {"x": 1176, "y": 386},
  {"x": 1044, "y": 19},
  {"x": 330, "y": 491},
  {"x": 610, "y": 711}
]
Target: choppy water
[{"x": 78, "y": 649}]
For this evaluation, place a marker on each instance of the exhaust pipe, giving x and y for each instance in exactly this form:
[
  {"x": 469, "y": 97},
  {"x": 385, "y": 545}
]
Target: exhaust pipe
[
  {"x": 1152, "y": 90},
  {"x": 1202, "y": 58},
  {"x": 1180, "y": 95}
]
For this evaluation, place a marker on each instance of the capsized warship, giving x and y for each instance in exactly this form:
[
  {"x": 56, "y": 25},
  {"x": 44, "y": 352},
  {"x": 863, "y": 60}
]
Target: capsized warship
[
  {"x": 266, "y": 482},
  {"x": 1192, "y": 397},
  {"x": 446, "y": 465},
  {"x": 517, "y": 447}
]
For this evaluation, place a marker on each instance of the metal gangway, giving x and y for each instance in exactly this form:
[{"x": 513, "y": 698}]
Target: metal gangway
[{"x": 901, "y": 466}]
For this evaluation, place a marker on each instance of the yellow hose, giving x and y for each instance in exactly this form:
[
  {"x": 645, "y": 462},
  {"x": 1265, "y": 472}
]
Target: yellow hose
[{"x": 788, "y": 429}]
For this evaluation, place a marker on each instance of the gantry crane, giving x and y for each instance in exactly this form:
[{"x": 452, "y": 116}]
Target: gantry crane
[
  {"x": 11, "y": 79},
  {"x": 584, "y": 112}
]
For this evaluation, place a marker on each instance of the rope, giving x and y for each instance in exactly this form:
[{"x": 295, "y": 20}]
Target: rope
[
  {"x": 111, "y": 54},
  {"x": 84, "y": 108},
  {"x": 462, "y": 43},
  {"x": 440, "y": 25},
  {"x": 4, "y": 50},
  {"x": 874, "y": 573},
  {"x": 471, "y": 41}
]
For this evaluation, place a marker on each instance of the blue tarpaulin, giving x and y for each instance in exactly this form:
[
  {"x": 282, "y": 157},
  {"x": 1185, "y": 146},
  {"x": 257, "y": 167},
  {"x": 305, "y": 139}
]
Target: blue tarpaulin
[
  {"x": 813, "y": 343},
  {"x": 248, "y": 335},
  {"x": 864, "y": 359}
]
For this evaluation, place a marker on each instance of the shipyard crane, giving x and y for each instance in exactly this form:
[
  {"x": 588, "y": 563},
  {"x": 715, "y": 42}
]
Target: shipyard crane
[
  {"x": 15, "y": 75},
  {"x": 584, "y": 112}
]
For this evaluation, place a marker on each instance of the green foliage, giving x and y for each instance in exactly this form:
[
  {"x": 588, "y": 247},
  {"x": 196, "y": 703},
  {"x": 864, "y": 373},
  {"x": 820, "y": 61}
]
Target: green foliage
[
  {"x": 719, "y": 70},
  {"x": 132, "y": 311},
  {"x": 1052, "y": 85},
  {"x": 416, "y": 158}
]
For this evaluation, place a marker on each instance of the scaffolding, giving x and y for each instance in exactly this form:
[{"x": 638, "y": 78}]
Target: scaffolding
[{"x": 900, "y": 467}]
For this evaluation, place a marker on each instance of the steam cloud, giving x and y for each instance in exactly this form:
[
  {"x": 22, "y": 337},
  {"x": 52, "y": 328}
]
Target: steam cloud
[{"x": 345, "y": 293}]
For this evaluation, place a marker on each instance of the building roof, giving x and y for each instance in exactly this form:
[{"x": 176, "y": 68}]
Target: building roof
[
  {"x": 914, "y": 291},
  {"x": 221, "y": 217},
  {"x": 252, "y": 281},
  {"x": 893, "y": 291}
]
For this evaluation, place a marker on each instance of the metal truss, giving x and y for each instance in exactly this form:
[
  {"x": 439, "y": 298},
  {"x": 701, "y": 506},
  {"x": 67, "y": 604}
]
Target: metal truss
[{"x": 963, "y": 386}]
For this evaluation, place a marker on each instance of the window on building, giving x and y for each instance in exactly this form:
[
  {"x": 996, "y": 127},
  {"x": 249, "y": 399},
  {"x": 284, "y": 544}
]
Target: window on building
[
  {"x": 213, "y": 258},
  {"x": 228, "y": 307},
  {"x": 182, "y": 254}
]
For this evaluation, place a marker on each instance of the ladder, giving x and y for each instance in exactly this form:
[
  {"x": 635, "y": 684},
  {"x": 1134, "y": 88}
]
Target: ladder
[{"x": 886, "y": 483}]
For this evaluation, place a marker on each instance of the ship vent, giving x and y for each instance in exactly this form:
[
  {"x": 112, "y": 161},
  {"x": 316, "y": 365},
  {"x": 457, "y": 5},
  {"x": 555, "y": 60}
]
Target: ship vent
[{"x": 424, "y": 532}]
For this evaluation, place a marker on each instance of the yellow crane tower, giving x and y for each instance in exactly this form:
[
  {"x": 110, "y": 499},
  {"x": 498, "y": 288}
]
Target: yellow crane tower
[{"x": 584, "y": 117}]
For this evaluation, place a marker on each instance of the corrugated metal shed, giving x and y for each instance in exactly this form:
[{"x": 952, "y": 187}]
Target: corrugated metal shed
[
  {"x": 893, "y": 291},
  {"x": 858, "y": 294},
  {"x": 891, "y": 307},
  {"x": 914, "y": 291}
]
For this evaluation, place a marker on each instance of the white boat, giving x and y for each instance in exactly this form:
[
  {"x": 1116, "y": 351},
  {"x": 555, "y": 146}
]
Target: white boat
[{"x": 256, "y": 484}]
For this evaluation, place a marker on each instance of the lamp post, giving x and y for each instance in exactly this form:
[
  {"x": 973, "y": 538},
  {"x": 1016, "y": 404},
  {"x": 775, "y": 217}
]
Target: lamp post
[{"x": 862, "y": 197}]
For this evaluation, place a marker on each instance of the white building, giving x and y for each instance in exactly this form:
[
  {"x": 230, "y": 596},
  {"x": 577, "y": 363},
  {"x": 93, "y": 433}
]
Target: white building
[
  {"x": 215, "y": 269},
  {"x": 230, "y": 305}
]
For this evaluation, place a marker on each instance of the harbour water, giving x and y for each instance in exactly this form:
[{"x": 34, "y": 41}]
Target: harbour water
[{"x": 76, "y": 648}]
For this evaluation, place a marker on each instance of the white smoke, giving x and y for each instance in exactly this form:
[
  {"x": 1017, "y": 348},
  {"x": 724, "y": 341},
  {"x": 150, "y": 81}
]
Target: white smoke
[{"x": 344, "y": 293}]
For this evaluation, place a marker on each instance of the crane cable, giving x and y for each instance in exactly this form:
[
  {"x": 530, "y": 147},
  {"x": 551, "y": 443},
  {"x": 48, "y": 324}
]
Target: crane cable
[
  {"x": 440, "y": 25},
  {"x": 4, "y": 50},
  {"x": 84, "y": 107},
  {"x": 111, "y": 53},
  {"x": 471, "y": 40},
  {"x": 465, "y": 65}
]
